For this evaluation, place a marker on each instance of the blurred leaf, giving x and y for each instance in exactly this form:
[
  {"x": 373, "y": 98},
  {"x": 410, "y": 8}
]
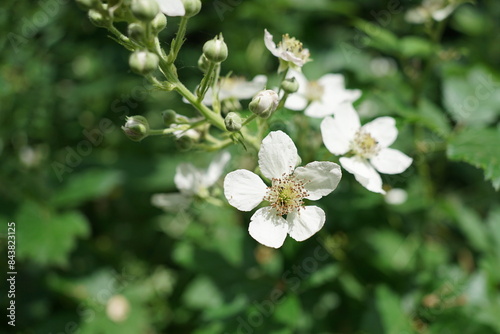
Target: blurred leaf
[
  {"x": 471, "y": 96},
  {"x": 46, "y": 237},
  {"x": 394, "y": 320},
  {"x": 433, "y": 118},
  {"x": 86, "y": 186},
  {"x": 480, "y": 148},
  {"x": 202, "y": 294},
  {"x": 471, "y": 21},
  {"x": 470, "y": 223},
  {"x": 393, "y": 251},
  {"x": 378, "y": 38},
  {"x": 413, "y": 46},
  {"x": 289, "y": 311}
]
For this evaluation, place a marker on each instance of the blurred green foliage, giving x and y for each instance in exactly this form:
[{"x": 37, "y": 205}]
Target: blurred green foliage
[{"x": 79, "y": 191}]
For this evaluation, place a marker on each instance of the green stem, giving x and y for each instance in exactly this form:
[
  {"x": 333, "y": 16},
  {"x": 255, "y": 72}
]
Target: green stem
[
  {"x": 178, "y": 40},
  {"x": 206, "y": 81}
]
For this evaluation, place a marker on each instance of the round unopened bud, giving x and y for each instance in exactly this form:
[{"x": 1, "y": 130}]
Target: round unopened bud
[
  {"x": 144, "y": 10},
  {"x": 136, "y": 32},
  {"x": 87, "y": 4},
  {"x": 159, "y": 23},
  {"x": 169, "y": 117},
  {"x": 143, "y": 62},
  {"x": 290, "y": 85},
  {"x": 99, "y": 19},
  {"x": 203, "y": 63},
  {"x": 264, "y": 103},
  {"x": 136, "y": 128},
  {"x": 215, "y": 49},
  {"x": 192, "y": 7},
  {"x": 233, "y": 122},
  {"x": 184, "y": 143}
]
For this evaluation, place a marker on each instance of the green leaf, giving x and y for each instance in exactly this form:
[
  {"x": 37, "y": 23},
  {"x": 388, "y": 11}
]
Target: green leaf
[
  {"x": 480, "y": 148},
  {"x": 471, "y": 97},
  {"x": 378, "y": 37},
  {"x": 46, "y": 237},
  {"x": 434, "y": 118},
  {"x": 394, "y": 320},
  {"x": 289, "y": 311},
  {"x": 413, "y": 46},
  {"x": 86, "y": 186},
  {"x": 470, "y": 223}
]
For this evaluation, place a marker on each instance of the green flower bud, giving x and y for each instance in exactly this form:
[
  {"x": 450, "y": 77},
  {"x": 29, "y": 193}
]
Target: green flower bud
[
  {"x": 233, "y": 122},
  {"x": 215, "y": 49},
  {"x": 136, "y": 32},
  {"x": 264, "y": 103},
  {"x": 192, "y": 7},
  {"x": 184, "y": 143},
  {"x": 136, "y": 128},
  {"x": 143, "y": 62},
  {"x": 290, "y": 85},
  {"x": 159, "y": 23},
  {"x": 144, "y": 10},
  {"x": 169, "y": 117},
  {"x": 99, "y": 19},
  {"x": 203, "y": 63},
  {"x": 86, "y": 4}
]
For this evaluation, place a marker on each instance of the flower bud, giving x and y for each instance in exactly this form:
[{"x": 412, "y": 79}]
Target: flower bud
[
  {"x": 143, "y": 62},
  {"x": 99, "y": 19},
  {"x": 192, "y": 7},
  {"x": 169, "y": 117},
  {"x": 144, "y": 10},
  {"x": 159, "y": 23},
  {"x": 136, "y": 128},
  {"x": 215, "y": 49},
  {"x": 184, "y": 143},
  {"x": 264, "y": 103},
  {"x": 203, "y": 63},
  {"x": 290, "y": 85},
  {"x": 233, "y": 122},
  {"x": 136, "y": 32}
]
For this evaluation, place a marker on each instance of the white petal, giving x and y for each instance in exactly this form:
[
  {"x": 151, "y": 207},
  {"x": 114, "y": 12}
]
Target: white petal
[
  {"x": 441, "y": 14},
  {"x": 247, "y": 89},
  {"x": 216, "y": 168},
  {"x": 320, "y": 177},
  {"x": 391, "y": 161},
  {"x": 171, "y": 7},
  {"x": 338, "y": 132},
  {"x": 305, "y": 222},
  {"x": 296, "y": 102},
  {"x": 187, "y": 178},
  {"x": 383, "y": 130},
  {"x": 319, "y": 109},
  {"x": 277, "y": 155},
  {"x": 335, "y": 92},
  {"x": 364, "y": 173},
  {"x": 268, "y": 228},
  {"x": 270, "y": 45},
  {"x": 173, "y": 202},
  {"x": 244, "y": 190},
  {"x": 396, "y": 196}
]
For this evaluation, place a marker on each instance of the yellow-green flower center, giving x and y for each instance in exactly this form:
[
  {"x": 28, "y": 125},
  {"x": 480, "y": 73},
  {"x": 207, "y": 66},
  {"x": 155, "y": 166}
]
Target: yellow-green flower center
[
  {"x": 314, "y": 91},
  {"x": 364, "y": 145},
  {"x": 286, "y": 194},
  {"x": 294, "y": 46}
]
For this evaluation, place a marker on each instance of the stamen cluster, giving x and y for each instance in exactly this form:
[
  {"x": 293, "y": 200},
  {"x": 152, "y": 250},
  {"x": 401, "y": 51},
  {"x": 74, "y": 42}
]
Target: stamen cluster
[
  {"x": 364, "y": 145},
  {"x": 286, "y": 194},
  {"x": 291, "y": 44}
]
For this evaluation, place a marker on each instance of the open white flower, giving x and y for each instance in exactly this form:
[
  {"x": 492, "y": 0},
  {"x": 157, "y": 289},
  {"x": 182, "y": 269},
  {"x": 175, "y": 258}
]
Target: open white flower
[
  {"x": 171, "y": 7},
  {"x": 368, "y": 144},
  {"x": 191, "y": 182},
  {"x": 290, "y": 51},
  {"x": 236, "y": 88},
  {"x": 322, "y": 97},
  {"x": 290, "y": 186},
  {"x": 438, "y": 10}
]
